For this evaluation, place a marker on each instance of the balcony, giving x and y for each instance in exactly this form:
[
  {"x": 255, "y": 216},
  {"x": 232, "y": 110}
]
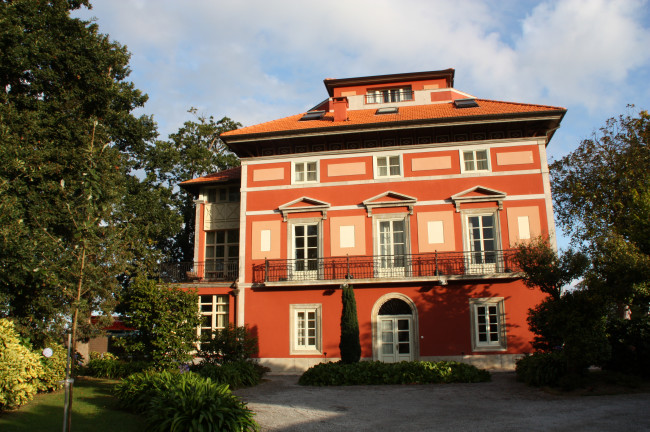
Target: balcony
[
  {"x": 387, "y": 268},
  {"x": 208, "y": 271}
]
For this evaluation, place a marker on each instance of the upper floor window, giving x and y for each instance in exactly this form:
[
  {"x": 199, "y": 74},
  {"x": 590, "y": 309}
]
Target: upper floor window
[
  {"x": 397, "y": 94},
  {"x": 305, "y": 172},
  {"x": 475, "y": 160},
  {"x": 388, "y": 166},
  {"x": 223, "y": 194}
]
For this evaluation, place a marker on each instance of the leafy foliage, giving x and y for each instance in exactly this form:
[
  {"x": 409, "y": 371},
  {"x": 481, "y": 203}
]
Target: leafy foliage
[
  {"x": 70, "y": 144},
  {"x": 230, "y": 344},
  {"x": 542, "y": 368},
  {"x": 20, "y": 369},
  {"x": 165, "y": 317},
  {"x": 236, "y": 374},
  {"x": 193, "y": 151},
  {"x": 24, "y": 372},
  {"x": 602, "y": 197},
  {"x": 350, "y": 344},
  {"x": 113, "y": 368},
  {"x": 53, "y": 368},
  {"x": 184, "y": 402},
  {"x": 378, "y": 373},
  {"x": 574, "y": 324},
  {"x": 546, "y": 270},
  {"x": 604, "y": 185},
  {"x": 630, "y": 340}
]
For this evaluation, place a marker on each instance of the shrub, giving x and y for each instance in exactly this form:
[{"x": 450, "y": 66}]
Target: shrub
[
  {"x": 53, "y": 368},
  {"x": 20, "y": 369},
  {"x": 111, "y": 367},
  {"x": 350, "y": 346},
  {"x": 228, "y": 345},
  {"x": 173, "y": 401},
  {"x": 377, "y": 373},
  {"x": 236, "y": 374},
  {"x": 198, "y": 404},
  {"x": 574, "y": 323},
  {"x": 630, "y": 341},
  {"x": 166, "y": 318},
  {"x": 542, "y": 369}
]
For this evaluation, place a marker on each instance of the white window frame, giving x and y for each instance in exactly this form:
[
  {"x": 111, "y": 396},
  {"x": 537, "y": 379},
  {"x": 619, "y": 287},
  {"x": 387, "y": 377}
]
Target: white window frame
[
  {"x": 474, "y": 150},
  {"x": 467, "y": 243},
  {"x": 393, "y": 94},
  {"x": 305, "y": 349},
  {"x": 216, "y": 300},
  {"x": 392, "y": 271},
  {"x": 291, "y": 242},
  {"x": 488, "y": 345},
  {"x": 388, "y": 174},
  {"x": 304, "y": 164}
]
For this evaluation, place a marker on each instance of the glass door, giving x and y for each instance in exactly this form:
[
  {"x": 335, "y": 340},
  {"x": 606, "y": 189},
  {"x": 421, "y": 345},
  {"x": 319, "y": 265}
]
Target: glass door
[
  {"x": 305, "y": 251},
  {"x": 482, "y": 243},
  {"x": 395, "y": 343},
  {"x": 392, "y": 248}
]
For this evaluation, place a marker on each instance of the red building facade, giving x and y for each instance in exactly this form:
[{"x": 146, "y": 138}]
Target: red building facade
[{"x": 412, "y": 191}]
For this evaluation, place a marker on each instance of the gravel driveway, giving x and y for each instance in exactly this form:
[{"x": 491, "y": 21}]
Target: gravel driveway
[{"x": 500, "y": 405}]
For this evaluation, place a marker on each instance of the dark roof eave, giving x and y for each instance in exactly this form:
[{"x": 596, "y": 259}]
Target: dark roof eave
[{"x": 228, "y": 140}]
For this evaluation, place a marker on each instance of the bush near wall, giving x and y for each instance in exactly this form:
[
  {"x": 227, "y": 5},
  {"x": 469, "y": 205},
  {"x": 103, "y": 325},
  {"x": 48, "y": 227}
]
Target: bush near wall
[
  {"x": 236, "y": 374},
  {"x": 187, "y": 402},
  {"x": 377, "y": 373}
]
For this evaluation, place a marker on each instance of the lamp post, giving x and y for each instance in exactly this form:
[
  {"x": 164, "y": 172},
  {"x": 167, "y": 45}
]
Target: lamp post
[{"x": 68, "y": 384}]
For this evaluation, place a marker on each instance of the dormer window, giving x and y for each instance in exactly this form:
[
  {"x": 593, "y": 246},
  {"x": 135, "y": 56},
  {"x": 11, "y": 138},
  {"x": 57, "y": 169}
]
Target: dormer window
[{"x": 397, "y": 94}]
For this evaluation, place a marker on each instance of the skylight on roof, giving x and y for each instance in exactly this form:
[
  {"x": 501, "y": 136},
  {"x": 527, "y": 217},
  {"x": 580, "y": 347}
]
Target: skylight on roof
[
  {"x": 387, "y": 110},
  {"x": 313, "y": 115},
  {"x": 465, "y": 103}
]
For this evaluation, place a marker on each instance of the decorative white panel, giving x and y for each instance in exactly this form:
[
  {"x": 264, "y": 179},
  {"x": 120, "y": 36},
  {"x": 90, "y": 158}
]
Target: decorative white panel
[
  {"x": 346, "y": 236},
  {"x": 436, "y": 232},
  {"x": 524, "y": 227}
]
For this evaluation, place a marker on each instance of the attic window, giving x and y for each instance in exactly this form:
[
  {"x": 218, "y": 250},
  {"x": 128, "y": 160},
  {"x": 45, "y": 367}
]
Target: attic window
[
  {"x": 387, "y": 110},
  {"x": 313, "y": 115},
  {"x": 465, "y": 103}
]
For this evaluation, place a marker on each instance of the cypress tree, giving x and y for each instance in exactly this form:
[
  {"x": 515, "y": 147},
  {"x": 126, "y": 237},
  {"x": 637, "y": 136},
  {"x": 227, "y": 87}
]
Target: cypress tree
[{"x": 350, "y": 345}]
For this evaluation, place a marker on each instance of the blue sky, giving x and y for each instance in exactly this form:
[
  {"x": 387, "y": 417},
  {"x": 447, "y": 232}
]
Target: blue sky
[{"x": 258, "y": 60}]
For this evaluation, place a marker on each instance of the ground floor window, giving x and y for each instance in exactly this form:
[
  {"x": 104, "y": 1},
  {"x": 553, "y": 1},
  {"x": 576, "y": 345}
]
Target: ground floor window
[
  {"x": 305, "y": 329},
  {"x": 214, "y": 313},
  {"x": 488, "y": 324}
]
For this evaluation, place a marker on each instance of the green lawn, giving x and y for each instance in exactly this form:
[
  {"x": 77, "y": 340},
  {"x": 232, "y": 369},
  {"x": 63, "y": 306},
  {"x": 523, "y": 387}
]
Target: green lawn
[{"x": 94, "y": 409}]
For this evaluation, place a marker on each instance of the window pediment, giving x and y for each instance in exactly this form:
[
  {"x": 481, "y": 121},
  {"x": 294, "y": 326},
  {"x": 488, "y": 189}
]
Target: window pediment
[
  {"x": 302, "y": 205},
  {"x": 478, "y": 194},
  {"x": 390, "y": 199}
]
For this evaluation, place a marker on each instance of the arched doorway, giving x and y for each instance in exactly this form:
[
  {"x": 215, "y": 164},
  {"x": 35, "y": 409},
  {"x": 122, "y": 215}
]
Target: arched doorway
[{"x": 395, "y": 329}]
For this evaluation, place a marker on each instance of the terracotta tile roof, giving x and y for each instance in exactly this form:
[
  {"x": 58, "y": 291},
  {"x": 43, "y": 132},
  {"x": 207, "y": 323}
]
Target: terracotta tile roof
[
  {"x": 221, "y": 176},
  {"x": 437, "y": 111}
]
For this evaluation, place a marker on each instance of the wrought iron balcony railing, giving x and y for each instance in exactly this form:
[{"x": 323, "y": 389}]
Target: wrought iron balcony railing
[
  {"x": 206, "y": 271},
  {"x": 387, "y": 266}
]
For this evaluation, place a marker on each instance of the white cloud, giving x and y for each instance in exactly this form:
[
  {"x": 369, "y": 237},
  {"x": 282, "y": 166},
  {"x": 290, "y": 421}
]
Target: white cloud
[{"x": 258, "y": 60}]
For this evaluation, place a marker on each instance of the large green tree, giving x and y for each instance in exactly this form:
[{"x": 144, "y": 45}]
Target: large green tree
[
  {"x": 69, "y": 146},
  {"x": 602, "y": 199}
]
